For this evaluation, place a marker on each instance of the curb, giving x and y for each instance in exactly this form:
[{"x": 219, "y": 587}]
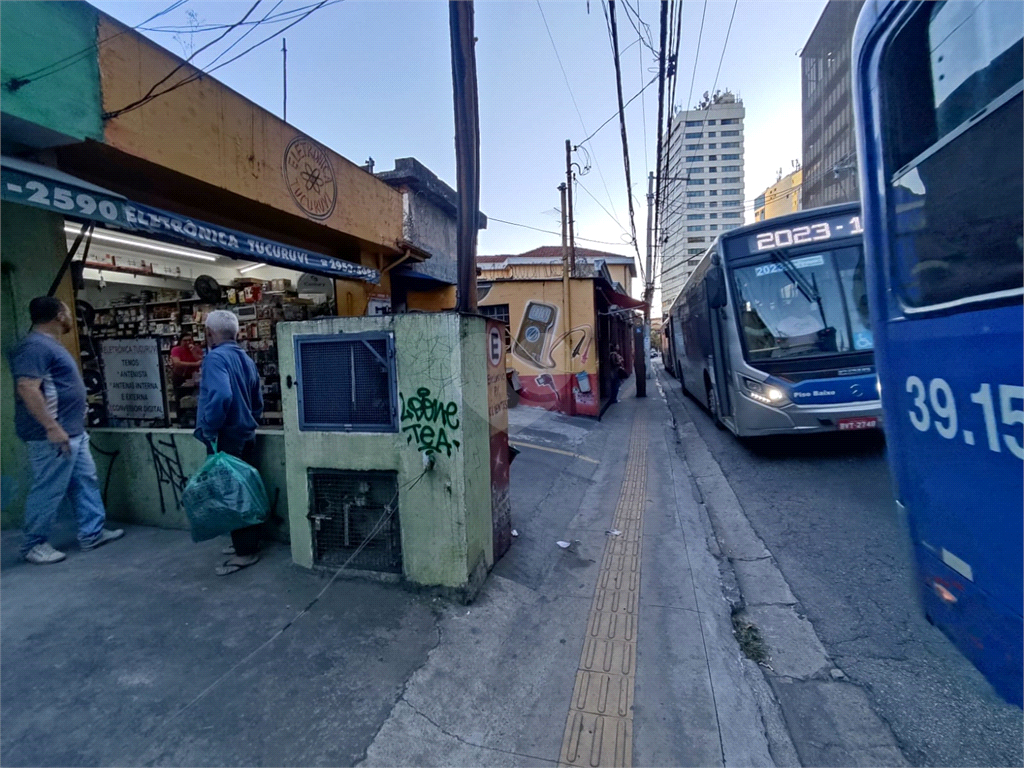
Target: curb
[{"x": 794, "y": 666}]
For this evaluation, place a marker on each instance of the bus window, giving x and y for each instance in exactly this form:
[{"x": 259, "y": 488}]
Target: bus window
[
  {"x": 953, "y": 107},
  {"x": 779, "y": 321}
]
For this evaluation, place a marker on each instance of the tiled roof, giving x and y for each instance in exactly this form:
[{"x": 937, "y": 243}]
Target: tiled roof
[{"x": 554, "y": 253}]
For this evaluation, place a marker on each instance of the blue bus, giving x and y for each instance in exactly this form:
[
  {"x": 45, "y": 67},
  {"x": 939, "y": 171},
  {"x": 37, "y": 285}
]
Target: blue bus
[
  {"x": 938, "y": 108},
  {"x": 771, "y": 331}
]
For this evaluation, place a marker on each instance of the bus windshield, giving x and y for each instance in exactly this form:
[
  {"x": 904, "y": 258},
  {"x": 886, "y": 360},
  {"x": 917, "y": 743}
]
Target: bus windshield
[{"x": 780, "y": 320}]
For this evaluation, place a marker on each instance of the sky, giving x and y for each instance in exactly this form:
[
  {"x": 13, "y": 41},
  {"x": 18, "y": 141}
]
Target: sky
[{"x": 372, "y": 78}]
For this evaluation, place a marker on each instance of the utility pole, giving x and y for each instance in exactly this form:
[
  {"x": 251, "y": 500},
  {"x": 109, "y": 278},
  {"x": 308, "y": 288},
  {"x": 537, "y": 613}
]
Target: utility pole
[
  {"x": 649, "y": 288},
  {"x": 568, "y": 182},
  {"x": 284, "y": 55},
  {"x": 467, "y": 146},
  {"x": 565, "y": 275}
]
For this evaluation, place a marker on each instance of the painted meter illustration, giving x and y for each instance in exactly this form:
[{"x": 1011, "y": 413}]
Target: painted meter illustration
[{"x": 534, "y": 335}]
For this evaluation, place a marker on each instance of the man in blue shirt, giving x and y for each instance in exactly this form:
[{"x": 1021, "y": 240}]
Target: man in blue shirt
[
  {"x": 228, "y": 412},
  {"x": 49, "y": 415}
]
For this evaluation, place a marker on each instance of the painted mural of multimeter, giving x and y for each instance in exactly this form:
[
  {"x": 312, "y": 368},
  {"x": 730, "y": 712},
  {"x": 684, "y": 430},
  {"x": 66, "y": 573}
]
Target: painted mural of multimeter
[{"x": 531, "y": 343}]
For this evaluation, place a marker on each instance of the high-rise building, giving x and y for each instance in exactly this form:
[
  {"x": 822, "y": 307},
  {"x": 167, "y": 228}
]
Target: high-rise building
[
  {"x": 782, "y": 197},
  {"x": 829, "y": 145},
  {"x": 703, "y": 192}
]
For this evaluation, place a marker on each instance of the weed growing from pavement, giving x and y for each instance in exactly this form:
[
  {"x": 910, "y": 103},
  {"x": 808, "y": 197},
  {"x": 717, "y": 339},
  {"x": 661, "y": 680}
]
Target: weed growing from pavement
[{"x": 749, "y": 638}]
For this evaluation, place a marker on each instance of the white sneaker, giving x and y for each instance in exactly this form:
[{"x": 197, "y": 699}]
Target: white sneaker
[{"x": 44, "y": 554}]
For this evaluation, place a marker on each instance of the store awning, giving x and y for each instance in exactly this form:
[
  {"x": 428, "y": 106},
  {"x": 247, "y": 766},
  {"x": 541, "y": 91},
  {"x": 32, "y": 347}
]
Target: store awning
[
  {"x": 620, "y": 299},
  {"x": 39, "y": 186}
]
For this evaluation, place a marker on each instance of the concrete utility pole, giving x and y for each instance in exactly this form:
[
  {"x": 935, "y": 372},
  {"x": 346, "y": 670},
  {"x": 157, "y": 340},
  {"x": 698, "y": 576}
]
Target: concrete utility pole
[
  {"x": 568, "y": 182},
  {"x": 467, "y": 146}
]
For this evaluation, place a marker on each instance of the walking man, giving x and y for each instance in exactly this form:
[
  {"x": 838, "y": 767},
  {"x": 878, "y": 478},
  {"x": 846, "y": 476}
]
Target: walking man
[
  {"x": 229, "y": 410},
  {"x": 49, "y": 415}
]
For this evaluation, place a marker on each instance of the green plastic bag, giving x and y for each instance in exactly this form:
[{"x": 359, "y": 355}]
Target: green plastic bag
[{"x": 224, "y": 495}]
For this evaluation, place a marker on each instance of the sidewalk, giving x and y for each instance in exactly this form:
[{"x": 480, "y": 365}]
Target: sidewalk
[{"x": 116, "y": 657}]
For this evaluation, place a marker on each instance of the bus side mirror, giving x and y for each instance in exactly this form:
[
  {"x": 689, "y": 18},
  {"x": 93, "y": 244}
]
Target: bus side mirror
[{"x": 715, "y": 282}]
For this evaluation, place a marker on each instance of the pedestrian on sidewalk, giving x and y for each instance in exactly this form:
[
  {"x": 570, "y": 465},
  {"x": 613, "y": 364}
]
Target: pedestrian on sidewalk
[
  {"x": 618, "y": 371},
  {"x": 49, "y": 416},
  {"x": 229, "y": 410}
]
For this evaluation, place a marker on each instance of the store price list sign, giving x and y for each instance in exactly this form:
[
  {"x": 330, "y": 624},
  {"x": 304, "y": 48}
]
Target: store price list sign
[{"x": 131, "y": 368}]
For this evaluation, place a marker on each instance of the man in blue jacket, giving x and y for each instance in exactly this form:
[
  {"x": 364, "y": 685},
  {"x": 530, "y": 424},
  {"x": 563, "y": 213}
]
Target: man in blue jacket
[{"x": 228, "y": 412}]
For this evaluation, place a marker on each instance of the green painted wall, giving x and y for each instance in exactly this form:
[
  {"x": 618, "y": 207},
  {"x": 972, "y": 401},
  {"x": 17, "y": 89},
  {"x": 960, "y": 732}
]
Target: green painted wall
[
  {"x": 37, "y": 35},
  {"x": 445, "y": 515},
  {"x": 150, "y": 469},
  {"x": 32, "y": 247}
]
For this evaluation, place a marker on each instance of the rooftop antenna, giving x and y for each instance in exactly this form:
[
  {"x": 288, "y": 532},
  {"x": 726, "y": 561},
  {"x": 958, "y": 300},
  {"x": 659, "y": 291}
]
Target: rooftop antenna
[{"x": 284, "y": 56}]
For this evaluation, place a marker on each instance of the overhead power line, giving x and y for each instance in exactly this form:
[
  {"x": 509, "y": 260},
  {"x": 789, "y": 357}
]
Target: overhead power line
[
  {"x": 572, "y": 96},
  {"x": 14, "y": 83},
  {"x": 552, "y": 232},
  {"x": 613, "y": 30},
  {"x": 200, "y": 73}
]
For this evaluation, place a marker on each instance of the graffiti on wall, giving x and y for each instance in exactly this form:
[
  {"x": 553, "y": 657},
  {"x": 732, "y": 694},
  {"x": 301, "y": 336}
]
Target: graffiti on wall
[
  {"x": 428, "y": 421},
  {"x": 167, "y": 464},
  {"x": 536, "y": 344}
]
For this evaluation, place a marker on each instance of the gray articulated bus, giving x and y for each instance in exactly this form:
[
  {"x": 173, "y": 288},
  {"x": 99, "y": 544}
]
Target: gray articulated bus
[{"x": 771, "y": 331}]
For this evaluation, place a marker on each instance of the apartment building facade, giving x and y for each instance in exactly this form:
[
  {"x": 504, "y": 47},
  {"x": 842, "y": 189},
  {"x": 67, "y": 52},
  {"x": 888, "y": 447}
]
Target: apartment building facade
[{"x": 704, "y": 190}]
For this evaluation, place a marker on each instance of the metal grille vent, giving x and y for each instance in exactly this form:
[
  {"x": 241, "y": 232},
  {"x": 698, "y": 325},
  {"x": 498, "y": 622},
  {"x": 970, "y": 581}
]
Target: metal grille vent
[
  {"x": 346, "y": 509},
  {"x": 346, "y": 382}
]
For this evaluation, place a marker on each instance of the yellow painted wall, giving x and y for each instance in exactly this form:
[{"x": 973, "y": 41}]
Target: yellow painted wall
[
  {"x": 439, "y": 300},
  {"x": 580, "y": 324},
  {"x": 782, "y": 197},
  {"x": 207, "y": 131}
]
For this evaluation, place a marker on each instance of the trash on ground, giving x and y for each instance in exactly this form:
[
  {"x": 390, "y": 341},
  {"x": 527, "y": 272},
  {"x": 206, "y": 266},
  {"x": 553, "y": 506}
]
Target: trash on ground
[
  {"x": 564, "y": 544},
  {"x": 515, "y": 533},
  {"x": 614, "y": 532}
]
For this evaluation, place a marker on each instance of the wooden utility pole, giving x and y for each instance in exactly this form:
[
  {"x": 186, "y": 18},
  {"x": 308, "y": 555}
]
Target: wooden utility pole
[
  {"x": 566, "y": 296},
  {"x": 467, "y": 146},
  {"x": 568, "y": 182}
]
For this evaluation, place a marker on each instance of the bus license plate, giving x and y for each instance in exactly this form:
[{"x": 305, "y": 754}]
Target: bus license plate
[{"x": 869, "y": 422}]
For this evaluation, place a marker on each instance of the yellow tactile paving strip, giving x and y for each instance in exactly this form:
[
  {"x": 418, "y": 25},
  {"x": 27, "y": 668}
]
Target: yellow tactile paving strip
[{"x": 599, "y": 728}]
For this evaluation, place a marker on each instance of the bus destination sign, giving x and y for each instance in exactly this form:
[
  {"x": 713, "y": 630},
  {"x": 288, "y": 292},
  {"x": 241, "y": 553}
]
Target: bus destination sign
[{"x": 805, "y": 234}]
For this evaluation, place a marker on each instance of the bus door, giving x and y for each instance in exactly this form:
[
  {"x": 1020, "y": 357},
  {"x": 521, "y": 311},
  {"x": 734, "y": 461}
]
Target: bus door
[{"x": 715, "y": 283}]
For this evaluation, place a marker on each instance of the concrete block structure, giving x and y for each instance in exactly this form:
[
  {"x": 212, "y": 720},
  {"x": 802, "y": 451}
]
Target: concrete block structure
[{"x": 433, "y": 455}]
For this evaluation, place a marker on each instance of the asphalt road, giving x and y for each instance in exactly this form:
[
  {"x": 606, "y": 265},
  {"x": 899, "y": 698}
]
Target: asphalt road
[{"x": 823, "y": 507}]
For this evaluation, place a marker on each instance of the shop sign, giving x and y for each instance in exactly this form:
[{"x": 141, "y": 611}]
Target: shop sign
[
  {"x": 86, "y": 203},
  {"x": 310, "y": 178},
  {"x": 131, "y": 368}
]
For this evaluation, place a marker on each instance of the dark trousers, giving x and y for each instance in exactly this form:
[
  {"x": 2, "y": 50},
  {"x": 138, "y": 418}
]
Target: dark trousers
[
  {"x": 246, "y": 541},
  {"x": 616, "y": 382}
]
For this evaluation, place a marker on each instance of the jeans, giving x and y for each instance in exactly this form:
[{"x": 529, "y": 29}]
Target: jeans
[
  {"x": 54, "y": 477},
  {"x": 246, "y": 541},
  {"x": 616, "y": 383}
]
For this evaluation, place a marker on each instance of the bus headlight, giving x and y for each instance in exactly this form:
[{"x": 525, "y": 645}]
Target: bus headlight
[{"x": 768, "y": 395}]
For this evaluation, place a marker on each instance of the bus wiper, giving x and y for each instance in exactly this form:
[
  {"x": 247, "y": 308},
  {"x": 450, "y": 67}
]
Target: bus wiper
[{"x": 809, "y": 291}]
